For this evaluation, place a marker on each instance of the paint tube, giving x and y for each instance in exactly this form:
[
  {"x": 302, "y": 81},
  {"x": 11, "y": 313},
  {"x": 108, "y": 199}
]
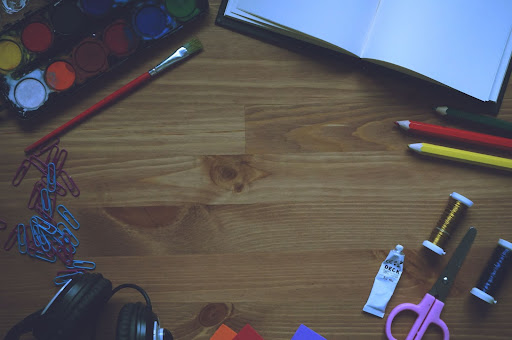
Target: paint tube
[{"x": 385, "y": 282}]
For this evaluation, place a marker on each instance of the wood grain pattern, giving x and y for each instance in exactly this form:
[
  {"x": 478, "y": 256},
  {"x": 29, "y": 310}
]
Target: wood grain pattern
[{"x": 258, "y": 185}]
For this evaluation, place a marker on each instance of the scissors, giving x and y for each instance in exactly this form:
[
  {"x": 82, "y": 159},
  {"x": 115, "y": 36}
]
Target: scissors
[{"x": 429, "y": 309}]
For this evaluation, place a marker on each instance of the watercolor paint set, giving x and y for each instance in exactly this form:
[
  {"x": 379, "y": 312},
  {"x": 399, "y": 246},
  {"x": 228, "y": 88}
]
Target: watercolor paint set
[{"x": 60, "y": 48}]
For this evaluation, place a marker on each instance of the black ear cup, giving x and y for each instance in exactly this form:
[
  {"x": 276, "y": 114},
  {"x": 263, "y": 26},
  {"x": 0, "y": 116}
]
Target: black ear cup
[
  {"x": 76, "y": 307},
  {"x": 135, "y": 322}
]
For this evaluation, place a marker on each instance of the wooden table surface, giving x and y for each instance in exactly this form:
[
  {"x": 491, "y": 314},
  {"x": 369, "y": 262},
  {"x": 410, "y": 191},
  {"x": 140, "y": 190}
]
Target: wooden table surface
[{"x": 254, "y": 184}]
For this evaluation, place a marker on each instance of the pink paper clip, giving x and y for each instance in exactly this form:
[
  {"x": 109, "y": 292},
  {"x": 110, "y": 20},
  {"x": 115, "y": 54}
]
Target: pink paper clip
[
  {"x": 70, "y": 183},
  {"x": 36, "y": 253},
  {"x": 21, "y": 172},
  {"x": 47, "y": 147},
  {"x": 35, "y": 196},
  {"x": 11, "y": 239},
  {"x": 59, "y": 188},
  {"x": 54, "y": 152},
  {"x": 59, "y": 161},
  {"x": 51, "y": 180},
  {"x": 46, "y": 202},
  {"x": 64, "y": 255},
  {"x": 3, "y": 225},
  {"x": 22, "y": 238},
  {"x": 39, "y": 164}
]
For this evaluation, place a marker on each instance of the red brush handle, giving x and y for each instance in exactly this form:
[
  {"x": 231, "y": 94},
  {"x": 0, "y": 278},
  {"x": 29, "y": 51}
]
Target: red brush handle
[{"x": 92, "y": 110}]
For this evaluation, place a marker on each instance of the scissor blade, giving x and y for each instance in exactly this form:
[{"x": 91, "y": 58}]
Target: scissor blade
[{"x": 445, "y": 281}]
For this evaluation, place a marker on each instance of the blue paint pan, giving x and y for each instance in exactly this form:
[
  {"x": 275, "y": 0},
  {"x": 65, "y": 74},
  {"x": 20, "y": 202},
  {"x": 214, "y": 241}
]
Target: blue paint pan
[{"x": 152, "y": 21}]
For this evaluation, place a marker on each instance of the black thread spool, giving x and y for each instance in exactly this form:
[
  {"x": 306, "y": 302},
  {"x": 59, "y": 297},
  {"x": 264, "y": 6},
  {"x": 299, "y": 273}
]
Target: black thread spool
[
  {"x": 452, "y": 215},
  {"x": 493, "y": 275}
]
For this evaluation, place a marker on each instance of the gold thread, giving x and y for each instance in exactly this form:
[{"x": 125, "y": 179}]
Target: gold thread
[{"x": 452, "y": 215}]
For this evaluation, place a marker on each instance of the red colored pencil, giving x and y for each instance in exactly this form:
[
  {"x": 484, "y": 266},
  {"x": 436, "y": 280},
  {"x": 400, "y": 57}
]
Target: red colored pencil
[
  {"x": 183, "y": 52},
  {"x": 456, "y": 134}
]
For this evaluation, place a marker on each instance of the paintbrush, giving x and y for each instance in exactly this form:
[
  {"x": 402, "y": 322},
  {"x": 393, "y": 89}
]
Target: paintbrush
[{"x": 185, "y": 51}]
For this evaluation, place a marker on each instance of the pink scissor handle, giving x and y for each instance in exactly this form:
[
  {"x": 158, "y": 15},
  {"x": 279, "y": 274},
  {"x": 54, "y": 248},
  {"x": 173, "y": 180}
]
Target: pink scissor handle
[{"x": 429, "y": 312}]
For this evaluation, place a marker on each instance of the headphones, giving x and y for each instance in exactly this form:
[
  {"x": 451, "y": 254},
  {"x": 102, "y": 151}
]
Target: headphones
[{"x": 78, "y": 304}]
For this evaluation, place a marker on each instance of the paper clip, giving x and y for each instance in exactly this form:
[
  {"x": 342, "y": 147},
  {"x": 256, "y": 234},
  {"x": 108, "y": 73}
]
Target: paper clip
[
  {"x": 3, "y": 225},
  {"x": 45, "y": 243},
  {"x": 46, "y": 202},
  {"x": 45, "y": 225},
  {"x": 51, "y": 180},
  {"x": 68, "y": 217},
  {"x": 52, "y": 155},
  {"x": 66, "y": 234},
  {"x": 65, "y": 256},
  {"x": 61, "y": 280},
  {"x": 70, "y": 183},
  {"x": 22, "y": 238},
  {"x": 35, "y": 196},
  {"x": 35, "y": 235},
  {"x": 39, "y": 164},
  {"x": 33, "y": 252},
  {"x": 47, "y": 147},
  {"x": 83, "y": 265},
  {"x": 11, "y": 239},
  {"x": 69, "y": 271},
  {"x": 21, "y": 172},
  {"x": 59, "y": 160}
]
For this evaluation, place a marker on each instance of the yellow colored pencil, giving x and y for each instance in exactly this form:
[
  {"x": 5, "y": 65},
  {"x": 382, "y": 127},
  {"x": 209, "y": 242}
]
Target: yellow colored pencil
[{"x": 462, "y": 156}]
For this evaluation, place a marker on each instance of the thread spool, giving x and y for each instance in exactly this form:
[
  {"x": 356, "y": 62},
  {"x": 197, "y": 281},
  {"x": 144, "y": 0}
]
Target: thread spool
[
  {"x": 452, "y": 215},
  {"x": 492, "y": 276}
]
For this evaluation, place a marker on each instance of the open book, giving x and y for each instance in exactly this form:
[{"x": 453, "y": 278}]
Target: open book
[{"x": 465, "y": 45}]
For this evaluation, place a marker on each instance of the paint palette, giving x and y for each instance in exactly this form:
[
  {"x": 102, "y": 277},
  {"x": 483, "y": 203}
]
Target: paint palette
[{"x": 64, "y": 46}]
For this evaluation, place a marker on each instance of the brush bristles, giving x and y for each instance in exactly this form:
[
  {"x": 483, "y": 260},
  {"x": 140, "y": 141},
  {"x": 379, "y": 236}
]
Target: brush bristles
[{"x": 193, "y": 46}]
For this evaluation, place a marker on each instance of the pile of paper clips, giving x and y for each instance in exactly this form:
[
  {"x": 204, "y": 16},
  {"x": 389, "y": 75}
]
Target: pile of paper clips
[{"x": 45, "y": 238}]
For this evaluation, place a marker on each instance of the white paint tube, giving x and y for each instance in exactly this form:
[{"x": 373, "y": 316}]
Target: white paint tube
[{"x": 385, "y": 282}]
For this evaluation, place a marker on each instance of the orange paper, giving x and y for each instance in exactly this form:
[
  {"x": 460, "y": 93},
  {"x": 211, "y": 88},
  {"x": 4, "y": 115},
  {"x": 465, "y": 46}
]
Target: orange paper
[{"x": 223, "y": 333}]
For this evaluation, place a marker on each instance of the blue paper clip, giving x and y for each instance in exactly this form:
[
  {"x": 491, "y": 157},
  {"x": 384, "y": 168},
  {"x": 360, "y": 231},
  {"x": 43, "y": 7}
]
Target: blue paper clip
[
  {"x": 51, "y": 180},
  {"x": 22, "y": 238},
  {"x": 46, "y": 202},
  {"x": 83, "y": 265},
  {"x": 67, "y": 235},
  {"x": 68, "y": 217},
  {"x": 42, "y": 256},
  {"x": 34, "y": 226},
  {"x": 45, "y": 244},
  {"x": 62, "y": 279},
  {"x": 44, "y": 225}
]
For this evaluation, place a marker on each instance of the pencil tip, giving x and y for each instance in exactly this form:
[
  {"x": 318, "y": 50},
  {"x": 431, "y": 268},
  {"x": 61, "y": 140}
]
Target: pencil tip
[
  {"x": 441, "y": 109},
  {"x": 416, "y": 147},
  {"x": 404, "y": 124}
]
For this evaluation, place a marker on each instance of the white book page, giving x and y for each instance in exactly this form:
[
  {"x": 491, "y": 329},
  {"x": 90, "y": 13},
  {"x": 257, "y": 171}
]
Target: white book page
[
  {"x": 343, "y": 23},
  {"x": 233, "y": 12},
  {"x": 458, "y": 43}
]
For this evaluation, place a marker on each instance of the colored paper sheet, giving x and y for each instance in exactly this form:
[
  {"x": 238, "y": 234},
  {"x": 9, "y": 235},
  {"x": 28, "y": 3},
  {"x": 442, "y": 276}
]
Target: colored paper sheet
[
  {"x": 304, "y": 333},
  {"x": 223, "y": 333},
  {"x": 248, "y": 333}
]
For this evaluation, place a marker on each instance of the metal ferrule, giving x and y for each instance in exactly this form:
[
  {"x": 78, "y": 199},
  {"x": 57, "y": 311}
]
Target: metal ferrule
[{"x": 180, "y": 54}]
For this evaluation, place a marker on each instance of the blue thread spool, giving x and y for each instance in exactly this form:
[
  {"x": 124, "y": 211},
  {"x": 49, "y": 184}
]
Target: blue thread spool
[{"x": 493, "y": 275}]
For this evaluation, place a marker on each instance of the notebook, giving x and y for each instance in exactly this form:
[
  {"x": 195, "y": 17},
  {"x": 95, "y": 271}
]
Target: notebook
[{"x": 463, "y": 45}]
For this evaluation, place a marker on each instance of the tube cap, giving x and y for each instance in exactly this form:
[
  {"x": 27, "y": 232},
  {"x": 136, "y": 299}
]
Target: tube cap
[
  {"x": 436, "y": 249},
  {"x": 483, "y": 296},
  {"x": 462, "y": 199},
  {"x": 505, "y": 244}
]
